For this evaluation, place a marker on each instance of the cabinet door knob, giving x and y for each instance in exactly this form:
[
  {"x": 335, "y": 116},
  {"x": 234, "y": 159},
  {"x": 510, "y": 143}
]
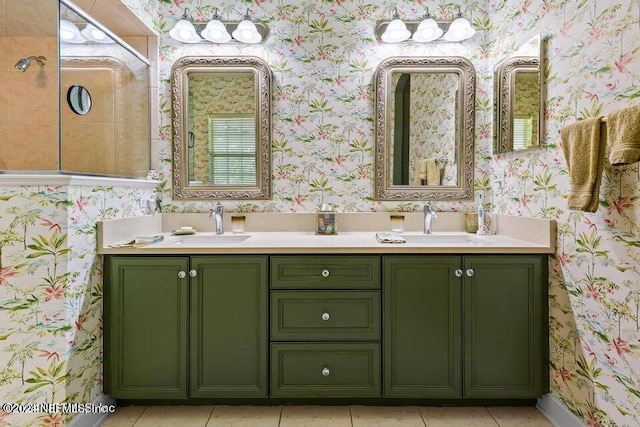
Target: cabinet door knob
[
  {"x": 325, "y": 316},
  {"x": 470, "y": 272},
  {"x": 458, "y": 272},
  {"x": 182, "y": 274},
  {"x": 193, "y": 273},
  {"x": 325, "y": 372},
  {"x": 325, "y": 273}
]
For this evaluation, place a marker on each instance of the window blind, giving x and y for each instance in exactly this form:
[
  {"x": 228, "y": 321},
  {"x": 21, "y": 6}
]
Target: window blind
[
  {"x": 232, "y": 146},
  {"x": 522, "y": 131}
]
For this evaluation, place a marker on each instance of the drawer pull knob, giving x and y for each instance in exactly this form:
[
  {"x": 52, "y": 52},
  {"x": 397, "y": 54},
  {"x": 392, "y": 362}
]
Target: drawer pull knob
[
  {"x": 325, "y": 372},
  {"x": 459, "y": 273},
  {"x": 470, "y": 272},
  {"x": 325, "y": 273},
  {"x": 182, "y": 274},
  {"x": 193, "y": 273},
  {"x": 325, "y": 316}
]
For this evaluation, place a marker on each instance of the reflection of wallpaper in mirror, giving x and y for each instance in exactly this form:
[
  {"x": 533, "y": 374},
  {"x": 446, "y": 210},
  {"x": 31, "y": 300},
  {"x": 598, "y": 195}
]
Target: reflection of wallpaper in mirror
[
  {"x": 433, "y": 124},
  {"x": 526, "y": 103},
  {"x": 210, "y": 94}
]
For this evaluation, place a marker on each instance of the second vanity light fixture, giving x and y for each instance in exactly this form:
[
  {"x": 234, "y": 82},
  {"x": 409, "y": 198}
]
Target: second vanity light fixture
[
  {"x": 424, "y": 31},
  {"x": 187, "y": 30},
  {"x": 70, "y": 33}
]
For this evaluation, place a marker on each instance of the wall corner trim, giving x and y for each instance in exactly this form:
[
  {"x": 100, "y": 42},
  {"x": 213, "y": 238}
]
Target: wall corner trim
[
  {"x": 93, "y": 419},
  {"x": 557, "y": 413}
]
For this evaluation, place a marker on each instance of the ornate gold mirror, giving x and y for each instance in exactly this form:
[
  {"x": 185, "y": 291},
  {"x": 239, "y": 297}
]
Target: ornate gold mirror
[
  {"x": 519, "y": 99},
  {"x": 424, "y": 128},
  {"x": 221, "y": 128}
]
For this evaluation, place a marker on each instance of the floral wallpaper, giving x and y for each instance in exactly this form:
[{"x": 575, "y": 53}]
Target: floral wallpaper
[
  {"x": 323, "y": 55},
  {"x": 592, "y": 67},
  {"x": 51, "y": 293},
  {"x": 433, "y": 122},
  {"x": 208, "y": 95}
]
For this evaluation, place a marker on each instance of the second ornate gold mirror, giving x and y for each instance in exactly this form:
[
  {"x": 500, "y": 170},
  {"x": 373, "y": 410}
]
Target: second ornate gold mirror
[
  {"x": 221, "y": 128},
  {"x": 424, "y": 128}
]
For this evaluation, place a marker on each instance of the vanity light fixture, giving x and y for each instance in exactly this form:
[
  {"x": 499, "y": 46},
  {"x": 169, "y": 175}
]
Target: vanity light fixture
[
  {"x": 396, "y": 31},
  {"x": 91, "y": 33},
  {"x": 70, "y": 33},
  {"x": 187, "y": 30},
  {"x": 428, "y": 30},
  {"x": 460, "y": 29},
  {"x": 424, "y": 31}
]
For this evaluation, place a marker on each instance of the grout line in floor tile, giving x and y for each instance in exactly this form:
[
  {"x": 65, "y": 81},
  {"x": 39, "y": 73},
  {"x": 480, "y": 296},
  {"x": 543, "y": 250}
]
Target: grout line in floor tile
[
  {"x": 210, "y": 415},
  {"x": 144, "y": 409},
  {"x": 280, "y": 415},
  {"x": 421, "y": 416},
  {"x": 350, "y": 416},
  {"x": 491, "y": 415}
]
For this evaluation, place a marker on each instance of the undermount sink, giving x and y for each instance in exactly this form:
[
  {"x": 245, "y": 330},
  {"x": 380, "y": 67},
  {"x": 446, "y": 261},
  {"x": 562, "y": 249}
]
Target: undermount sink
[
  {"x": 442, "y": 239},
  {"x": 210, "y": 239}
]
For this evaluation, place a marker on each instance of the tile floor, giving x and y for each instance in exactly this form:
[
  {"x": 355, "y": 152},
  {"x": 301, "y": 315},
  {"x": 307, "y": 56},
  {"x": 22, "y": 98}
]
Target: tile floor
[{"x": 324, "y": 416}]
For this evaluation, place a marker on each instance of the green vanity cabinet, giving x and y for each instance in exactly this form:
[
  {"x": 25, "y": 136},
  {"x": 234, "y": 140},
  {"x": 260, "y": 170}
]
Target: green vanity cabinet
[
  {"x": 473, "y": 327},
  {"x": 422, "y": 326},
  {"x": 186, "y": 327},
  {"x": 146, "y": 313},
  {"x": 228, "y": 350},
  {"x": 505, "y": 326}
]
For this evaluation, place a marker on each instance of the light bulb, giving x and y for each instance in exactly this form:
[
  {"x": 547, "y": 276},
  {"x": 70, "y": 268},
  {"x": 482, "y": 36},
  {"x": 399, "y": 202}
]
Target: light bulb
[
  {"x": 247, "y": 32},
  {"x": 395, "y": 32},
  {"x": 185, "y": 32},
  {"x": 427, "y": 31},
  {"x": 215, "y": 31}
]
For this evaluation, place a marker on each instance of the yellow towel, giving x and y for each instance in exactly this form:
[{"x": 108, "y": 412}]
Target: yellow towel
[
  {"x": 433, "y": 172},
  {"x": 584, "y": 149},
  {"x": 623, "y": 134}
]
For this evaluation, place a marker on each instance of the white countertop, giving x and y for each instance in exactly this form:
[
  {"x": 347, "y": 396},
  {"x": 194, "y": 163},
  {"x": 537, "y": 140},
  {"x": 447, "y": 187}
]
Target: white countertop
[
  {"x": 342, "y": 243},
  {"x": 290, "y": 233}
]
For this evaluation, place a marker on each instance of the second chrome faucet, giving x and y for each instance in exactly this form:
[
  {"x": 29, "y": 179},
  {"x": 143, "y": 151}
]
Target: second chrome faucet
[
  {"x": 217, "y": 216},
  {"x": 429, "y": 216}
]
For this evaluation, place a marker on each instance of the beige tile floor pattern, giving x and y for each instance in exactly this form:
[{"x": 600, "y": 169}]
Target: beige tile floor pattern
[{"x": 324, "y": 416}]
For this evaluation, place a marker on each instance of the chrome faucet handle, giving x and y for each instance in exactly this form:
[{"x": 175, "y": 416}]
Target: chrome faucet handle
[{"x": 430, "y": 210}]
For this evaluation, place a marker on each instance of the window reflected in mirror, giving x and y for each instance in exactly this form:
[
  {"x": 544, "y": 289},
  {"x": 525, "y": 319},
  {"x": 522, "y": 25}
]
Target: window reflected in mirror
[{"x": 222, "y": 125}]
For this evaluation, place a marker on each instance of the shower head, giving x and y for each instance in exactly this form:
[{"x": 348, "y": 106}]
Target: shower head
[{"x": 24, "y": 63}]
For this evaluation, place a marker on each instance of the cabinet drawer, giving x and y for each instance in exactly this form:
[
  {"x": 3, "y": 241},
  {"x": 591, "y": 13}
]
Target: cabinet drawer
[
  {"x": 325, "y": 370},
  {"x": 325, "y": 315},
  {"x": 325, "y": 272}
]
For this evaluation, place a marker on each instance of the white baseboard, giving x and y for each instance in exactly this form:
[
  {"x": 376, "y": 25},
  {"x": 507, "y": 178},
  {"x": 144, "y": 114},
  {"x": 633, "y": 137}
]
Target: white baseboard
[
  {"x": 93, "y": 419},
  {"x": 557, "y": 413}
]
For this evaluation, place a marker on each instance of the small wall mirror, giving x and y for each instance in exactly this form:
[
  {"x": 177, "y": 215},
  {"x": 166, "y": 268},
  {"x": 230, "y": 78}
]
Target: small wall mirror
[
  {"x": 424, "y": 128},
  {"x": 519, "y": 99},
  {"x": 221, "y": 128}
]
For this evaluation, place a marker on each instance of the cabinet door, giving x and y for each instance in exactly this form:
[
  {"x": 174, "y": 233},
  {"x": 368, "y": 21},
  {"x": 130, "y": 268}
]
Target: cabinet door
[
  {"x": 229, "y": 326},
  {"x": 504, "y": 300},
  {"x": 422, "y": 326},
  {"x": 146, "y": 314}
]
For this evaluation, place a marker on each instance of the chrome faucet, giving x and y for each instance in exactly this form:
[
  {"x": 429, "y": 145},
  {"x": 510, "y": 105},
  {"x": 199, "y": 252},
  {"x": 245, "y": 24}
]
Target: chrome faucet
[
  {"x": 216, "y": 215},
  {"x": 429, "y": 216}
]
